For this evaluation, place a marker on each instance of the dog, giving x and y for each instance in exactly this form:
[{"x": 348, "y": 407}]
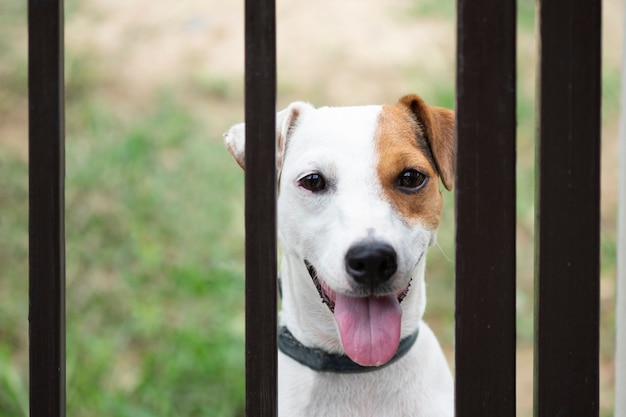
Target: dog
[{"x": 358, "y": 207}]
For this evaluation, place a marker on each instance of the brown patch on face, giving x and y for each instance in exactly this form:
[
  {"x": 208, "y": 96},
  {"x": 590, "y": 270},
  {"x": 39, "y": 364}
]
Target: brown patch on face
[
  {"x": 401, "y": 145},
  {"x": 438, "y": 131}
]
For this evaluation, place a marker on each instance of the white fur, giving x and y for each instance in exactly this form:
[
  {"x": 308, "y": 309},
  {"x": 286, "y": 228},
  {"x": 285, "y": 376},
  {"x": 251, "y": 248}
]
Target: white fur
[{"x": 339, "y": 143}]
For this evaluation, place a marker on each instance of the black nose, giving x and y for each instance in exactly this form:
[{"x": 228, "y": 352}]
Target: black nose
[{"x": 371, "y": 263}]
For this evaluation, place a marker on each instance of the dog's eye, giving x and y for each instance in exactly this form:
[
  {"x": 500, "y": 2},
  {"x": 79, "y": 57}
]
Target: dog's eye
[
  {"x": 411, "y": 180},
  {"x": 313, "y": 182}
]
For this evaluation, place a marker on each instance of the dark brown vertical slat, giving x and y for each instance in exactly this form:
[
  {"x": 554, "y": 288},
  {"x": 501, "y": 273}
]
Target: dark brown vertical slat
[
  {"x": 485, "y": 208},
  {"x": 567, "y": 227},
  {"x": 46, "y": 208},
  {"x": 260, "y": 181}
]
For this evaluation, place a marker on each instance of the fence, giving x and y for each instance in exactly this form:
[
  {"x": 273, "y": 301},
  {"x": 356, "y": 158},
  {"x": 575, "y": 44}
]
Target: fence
[
  {"x": 46, "y": 208},
  {"x": 567, "y": 256}
]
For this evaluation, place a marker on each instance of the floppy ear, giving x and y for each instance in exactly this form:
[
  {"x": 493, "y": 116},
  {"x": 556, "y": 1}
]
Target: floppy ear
[
  {"x": 286, "y": 121},
  {"x": 438, "y": 126}
]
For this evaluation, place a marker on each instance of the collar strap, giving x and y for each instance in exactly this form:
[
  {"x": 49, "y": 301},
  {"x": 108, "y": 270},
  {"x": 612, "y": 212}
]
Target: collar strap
[{"x": 320, "y": 360}]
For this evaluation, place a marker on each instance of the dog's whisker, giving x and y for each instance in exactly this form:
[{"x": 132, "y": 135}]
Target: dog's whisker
[{"x": 444, "y": 253}]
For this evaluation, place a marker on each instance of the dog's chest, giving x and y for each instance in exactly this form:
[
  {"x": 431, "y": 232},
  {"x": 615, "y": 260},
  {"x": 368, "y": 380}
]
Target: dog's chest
[
  {"x": 389, "y": 392},
  {"x": 356, "y": 397}
]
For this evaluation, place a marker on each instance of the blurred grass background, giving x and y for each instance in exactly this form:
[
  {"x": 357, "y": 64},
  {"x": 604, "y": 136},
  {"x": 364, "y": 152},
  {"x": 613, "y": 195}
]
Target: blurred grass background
[{"x": 154, "y": 203}]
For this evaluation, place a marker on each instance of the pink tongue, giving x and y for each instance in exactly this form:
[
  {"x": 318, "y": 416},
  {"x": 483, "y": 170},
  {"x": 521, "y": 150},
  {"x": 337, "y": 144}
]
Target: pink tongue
[{"x": 369, "y": 327}]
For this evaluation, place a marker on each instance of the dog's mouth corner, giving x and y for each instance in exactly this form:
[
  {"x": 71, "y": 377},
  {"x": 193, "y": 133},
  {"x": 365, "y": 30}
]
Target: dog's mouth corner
[
  {"x": 328, "y": 296},
  {"x": 322, "y": 288}
]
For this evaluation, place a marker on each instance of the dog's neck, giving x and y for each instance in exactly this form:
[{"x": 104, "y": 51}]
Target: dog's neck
[{"x": 312, "y": 323}]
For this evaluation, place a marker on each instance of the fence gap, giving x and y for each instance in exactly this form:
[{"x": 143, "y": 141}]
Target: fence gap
[
  {"x": 485, "y": 208},
  {"x": 46, "y": 208},
  {"x": 568, "y": 203},
  {"x": 260, "y": 206}
]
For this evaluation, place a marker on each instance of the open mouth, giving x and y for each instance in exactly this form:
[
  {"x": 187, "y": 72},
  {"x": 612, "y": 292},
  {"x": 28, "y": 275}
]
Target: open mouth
[
  {"x": 369, "y": 326},
  {"x": 328, "y": 296}
]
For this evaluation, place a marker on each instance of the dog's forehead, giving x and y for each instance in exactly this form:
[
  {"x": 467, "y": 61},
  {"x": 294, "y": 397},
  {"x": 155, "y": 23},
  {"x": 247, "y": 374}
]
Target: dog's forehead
[
  {"x": 338, "y": 126},
  {"x": 333, "y": 139}
]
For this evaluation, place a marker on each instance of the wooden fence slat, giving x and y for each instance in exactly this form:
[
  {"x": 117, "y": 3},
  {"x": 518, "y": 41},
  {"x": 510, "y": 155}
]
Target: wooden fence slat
[
  {"x": 567, "y": 227},
  {"x": 260, "y": 183},
  {"x": 485, "y": 208},
  {"x": 46, "y": 208}
]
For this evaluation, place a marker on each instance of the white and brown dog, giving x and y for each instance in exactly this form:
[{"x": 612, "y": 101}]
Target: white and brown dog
[{"x": 359, "y": 205}]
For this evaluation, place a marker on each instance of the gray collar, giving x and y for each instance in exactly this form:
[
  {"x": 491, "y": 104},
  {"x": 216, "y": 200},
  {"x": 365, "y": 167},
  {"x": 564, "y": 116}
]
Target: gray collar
[{"x": 320, "y": 360}]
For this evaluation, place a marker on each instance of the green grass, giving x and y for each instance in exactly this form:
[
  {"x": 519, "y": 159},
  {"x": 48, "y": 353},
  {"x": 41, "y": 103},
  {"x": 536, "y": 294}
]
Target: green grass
[
  {"x": 154, "y": 239},
  {"x": 154, "y": 276},
  {"x": 151, "y": 219},
  {"x": 13, "y": 218}
]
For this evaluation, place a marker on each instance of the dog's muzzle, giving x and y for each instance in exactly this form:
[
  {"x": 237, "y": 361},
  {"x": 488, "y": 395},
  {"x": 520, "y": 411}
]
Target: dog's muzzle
[
  {"x": 327, "y": 294},
  {"x": 368, "y": 320}
]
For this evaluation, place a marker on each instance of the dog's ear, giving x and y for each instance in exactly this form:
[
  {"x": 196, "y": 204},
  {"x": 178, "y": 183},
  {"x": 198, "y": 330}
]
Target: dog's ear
[
  {"x": 235, "y": 140},
  {"x": 286, "y": 122},
  {"x": 438, "y": 124}
]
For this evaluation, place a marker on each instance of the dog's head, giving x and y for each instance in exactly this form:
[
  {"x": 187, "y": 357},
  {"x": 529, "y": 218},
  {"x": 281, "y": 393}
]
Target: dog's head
[{"x": 359, "y": 204}]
